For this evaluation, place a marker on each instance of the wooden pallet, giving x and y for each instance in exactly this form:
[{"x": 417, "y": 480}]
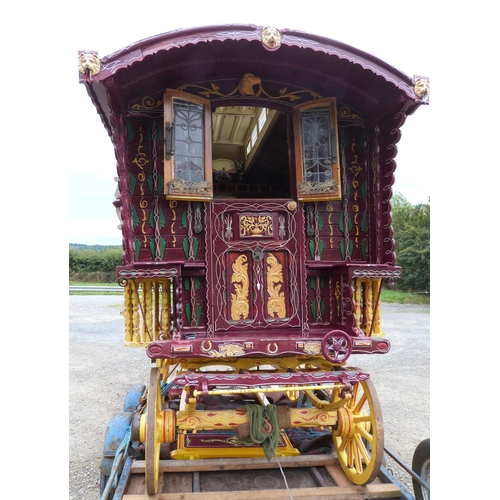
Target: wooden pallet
[{"x": 309, "y": 477}]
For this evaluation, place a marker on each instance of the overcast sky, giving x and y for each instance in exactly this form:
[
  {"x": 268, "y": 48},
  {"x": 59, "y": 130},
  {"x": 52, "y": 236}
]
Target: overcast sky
[{"x": 382, "y": 31}]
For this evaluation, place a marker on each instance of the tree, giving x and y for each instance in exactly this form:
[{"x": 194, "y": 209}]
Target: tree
[{"x": 411, "y": 224}]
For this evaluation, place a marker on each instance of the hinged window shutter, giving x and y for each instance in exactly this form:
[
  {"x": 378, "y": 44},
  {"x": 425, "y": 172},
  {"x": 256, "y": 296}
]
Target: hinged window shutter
[
  {"x": 188, "y": 147},
  {"x": 317, "y": 151}
]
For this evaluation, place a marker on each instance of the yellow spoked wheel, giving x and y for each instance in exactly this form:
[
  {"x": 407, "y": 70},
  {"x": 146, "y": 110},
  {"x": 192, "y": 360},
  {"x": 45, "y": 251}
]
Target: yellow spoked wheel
[
  {"x": 359, "y": 436},
  {"x": 152, "y": 443}
]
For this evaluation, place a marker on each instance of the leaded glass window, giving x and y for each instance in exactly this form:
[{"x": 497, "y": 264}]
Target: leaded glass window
[
  {"x": 315, "y": 144},
  {"x": 189, "y": 161},
  {"x": 316, "y": 151},
  {"x": 188, "y": 147}
]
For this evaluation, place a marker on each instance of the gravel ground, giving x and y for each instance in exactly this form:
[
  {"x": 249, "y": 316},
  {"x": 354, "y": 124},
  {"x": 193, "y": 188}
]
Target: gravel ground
[{"x": 101, "y": 370}]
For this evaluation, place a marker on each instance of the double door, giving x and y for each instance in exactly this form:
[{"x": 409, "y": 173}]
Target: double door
[{"x": 254, "y": 273}]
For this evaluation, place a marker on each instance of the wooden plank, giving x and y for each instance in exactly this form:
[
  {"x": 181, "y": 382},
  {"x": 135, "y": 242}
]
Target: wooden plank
[
  {"x": 138, "y": 467},
  {"x": 318, "y": 478},
  {"x": 137, "y": 484},
  {"x": 338, "y": 475},
  {"x": 352, "y": 492},
  {"x": 178, "y": 483}
]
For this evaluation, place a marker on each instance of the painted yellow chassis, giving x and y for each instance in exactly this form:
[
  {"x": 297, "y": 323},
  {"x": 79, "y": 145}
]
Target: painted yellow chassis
[{"x": 354, "y": 418}]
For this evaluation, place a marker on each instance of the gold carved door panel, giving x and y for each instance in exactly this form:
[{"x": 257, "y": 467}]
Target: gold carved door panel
[{"x": 254, "y": 273}]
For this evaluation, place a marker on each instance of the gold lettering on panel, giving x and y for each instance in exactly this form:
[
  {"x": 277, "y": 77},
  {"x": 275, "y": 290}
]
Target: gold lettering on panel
[
  {"x": 276, "y": 301},
  {"x": 239, "y": 300}
]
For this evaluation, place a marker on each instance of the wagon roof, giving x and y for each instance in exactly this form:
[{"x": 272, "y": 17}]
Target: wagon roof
[{"x": 214, "y": 53}]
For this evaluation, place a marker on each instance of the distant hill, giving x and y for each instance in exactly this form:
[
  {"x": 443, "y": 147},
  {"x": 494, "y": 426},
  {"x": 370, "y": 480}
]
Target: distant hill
[{"x": 83, "y": 246}]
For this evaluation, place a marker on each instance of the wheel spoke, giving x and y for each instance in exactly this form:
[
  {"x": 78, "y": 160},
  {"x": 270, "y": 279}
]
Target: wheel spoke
[
  {"x": 364, "y": 433},
  {"x": 362, "y": 448},
  {"x": 360, "y": 404}
]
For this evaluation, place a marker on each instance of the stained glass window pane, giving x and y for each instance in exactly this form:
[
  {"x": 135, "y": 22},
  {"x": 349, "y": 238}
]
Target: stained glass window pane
[
  {"x": 189, "y": 163},
  {"x": 315, "y": 144}
]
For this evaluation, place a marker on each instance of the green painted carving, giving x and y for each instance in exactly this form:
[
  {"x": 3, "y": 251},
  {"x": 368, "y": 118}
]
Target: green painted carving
[
  {"x": 314, "y": 312},
  {"x": 152, "y": 246},
  {"x": 363, "y": 249},
  {"x": 198, "y": 313},
  {"x": 321, "y": 248},
  {"x": 133, "y": 182},
  {"x": 137, "y": 245},
  {"x": 363, "y": 222},
  {"x": 161, "y": 216},
  {"x": 196, "y": 245},
  {"x": 184, "y": 219},
  {"x": 313, "y": 281},
  {"x": 342, "y": 248},
  {"x": 185, "y": 247},
  {"x": 151, "y": 219},
  {"x": 163, "y": 246},
  {"x": 363, "y": 191},
  {"x": 341, "y": 222},
  {"x": 320, "y": 222},
  {"x": 187, "y": 309},
  {"x": 150, "y": 185},
  {"x": 130, "y": 131},
  {"x": 311, "y": 248},
  {"x": 135, "y": 217}
]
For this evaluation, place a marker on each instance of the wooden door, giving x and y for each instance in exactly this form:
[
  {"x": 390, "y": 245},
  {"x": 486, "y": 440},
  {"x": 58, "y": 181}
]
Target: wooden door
[{"x": 254, "y": 271}]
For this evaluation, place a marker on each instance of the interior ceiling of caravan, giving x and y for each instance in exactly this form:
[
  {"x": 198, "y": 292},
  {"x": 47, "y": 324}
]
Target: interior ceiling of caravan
[{"x": 239, "y": 131}]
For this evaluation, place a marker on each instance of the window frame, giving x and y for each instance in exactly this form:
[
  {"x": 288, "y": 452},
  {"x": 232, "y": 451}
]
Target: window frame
[
  {"x": 181, "y": 190},
  {"x": 317, "y": 191}
]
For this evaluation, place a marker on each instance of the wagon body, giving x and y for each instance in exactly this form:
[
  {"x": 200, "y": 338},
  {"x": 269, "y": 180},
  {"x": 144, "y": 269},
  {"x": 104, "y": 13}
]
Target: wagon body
[{"x": 254, "y": 176}]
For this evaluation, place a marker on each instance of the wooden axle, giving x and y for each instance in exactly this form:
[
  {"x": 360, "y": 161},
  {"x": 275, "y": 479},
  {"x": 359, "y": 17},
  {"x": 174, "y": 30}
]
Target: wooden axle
[{"x": 170, "y": 423}]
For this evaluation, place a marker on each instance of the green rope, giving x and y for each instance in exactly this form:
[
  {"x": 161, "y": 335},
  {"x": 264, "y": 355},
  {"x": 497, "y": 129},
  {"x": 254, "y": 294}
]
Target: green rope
[{"x": 264, "y": 428}]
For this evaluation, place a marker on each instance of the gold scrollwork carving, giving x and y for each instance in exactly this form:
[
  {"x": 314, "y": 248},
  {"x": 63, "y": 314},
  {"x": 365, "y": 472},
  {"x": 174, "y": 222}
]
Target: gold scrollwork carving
[
  {"x": 256, "y": 225},
  {"x": 240, "y": 306},
  {"x": 276, "y": 301},
  {"x": 312, "y": 348},
  {"x": 227, "y": 351}
]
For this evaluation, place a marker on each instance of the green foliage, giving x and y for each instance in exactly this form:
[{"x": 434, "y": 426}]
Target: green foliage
[
  {"x": 94, "y": 263},
  {"x": 411, "y": 224}
]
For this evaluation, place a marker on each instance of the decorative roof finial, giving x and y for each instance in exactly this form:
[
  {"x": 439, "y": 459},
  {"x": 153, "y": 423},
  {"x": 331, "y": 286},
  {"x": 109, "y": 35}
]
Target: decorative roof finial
[
  {"x": 88, "y": 64},
  {"x": 271, "y": 38},
  {"x": 421, "y": 87}
]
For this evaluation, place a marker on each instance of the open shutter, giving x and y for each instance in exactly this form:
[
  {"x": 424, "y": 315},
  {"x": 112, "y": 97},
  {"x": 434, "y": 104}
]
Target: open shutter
[
  {"x": 317, "y": 151},
  {"x": 188, "y": 147}
]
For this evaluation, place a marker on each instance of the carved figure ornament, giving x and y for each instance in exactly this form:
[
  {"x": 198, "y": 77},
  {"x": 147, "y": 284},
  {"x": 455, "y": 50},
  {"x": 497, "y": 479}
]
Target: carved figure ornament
[
  {"x": 271, "y": 38},
  {"x": 88, "y": 62},
  {"x": 247, "y": 83},
  {"x": 422, "y": 88}
]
